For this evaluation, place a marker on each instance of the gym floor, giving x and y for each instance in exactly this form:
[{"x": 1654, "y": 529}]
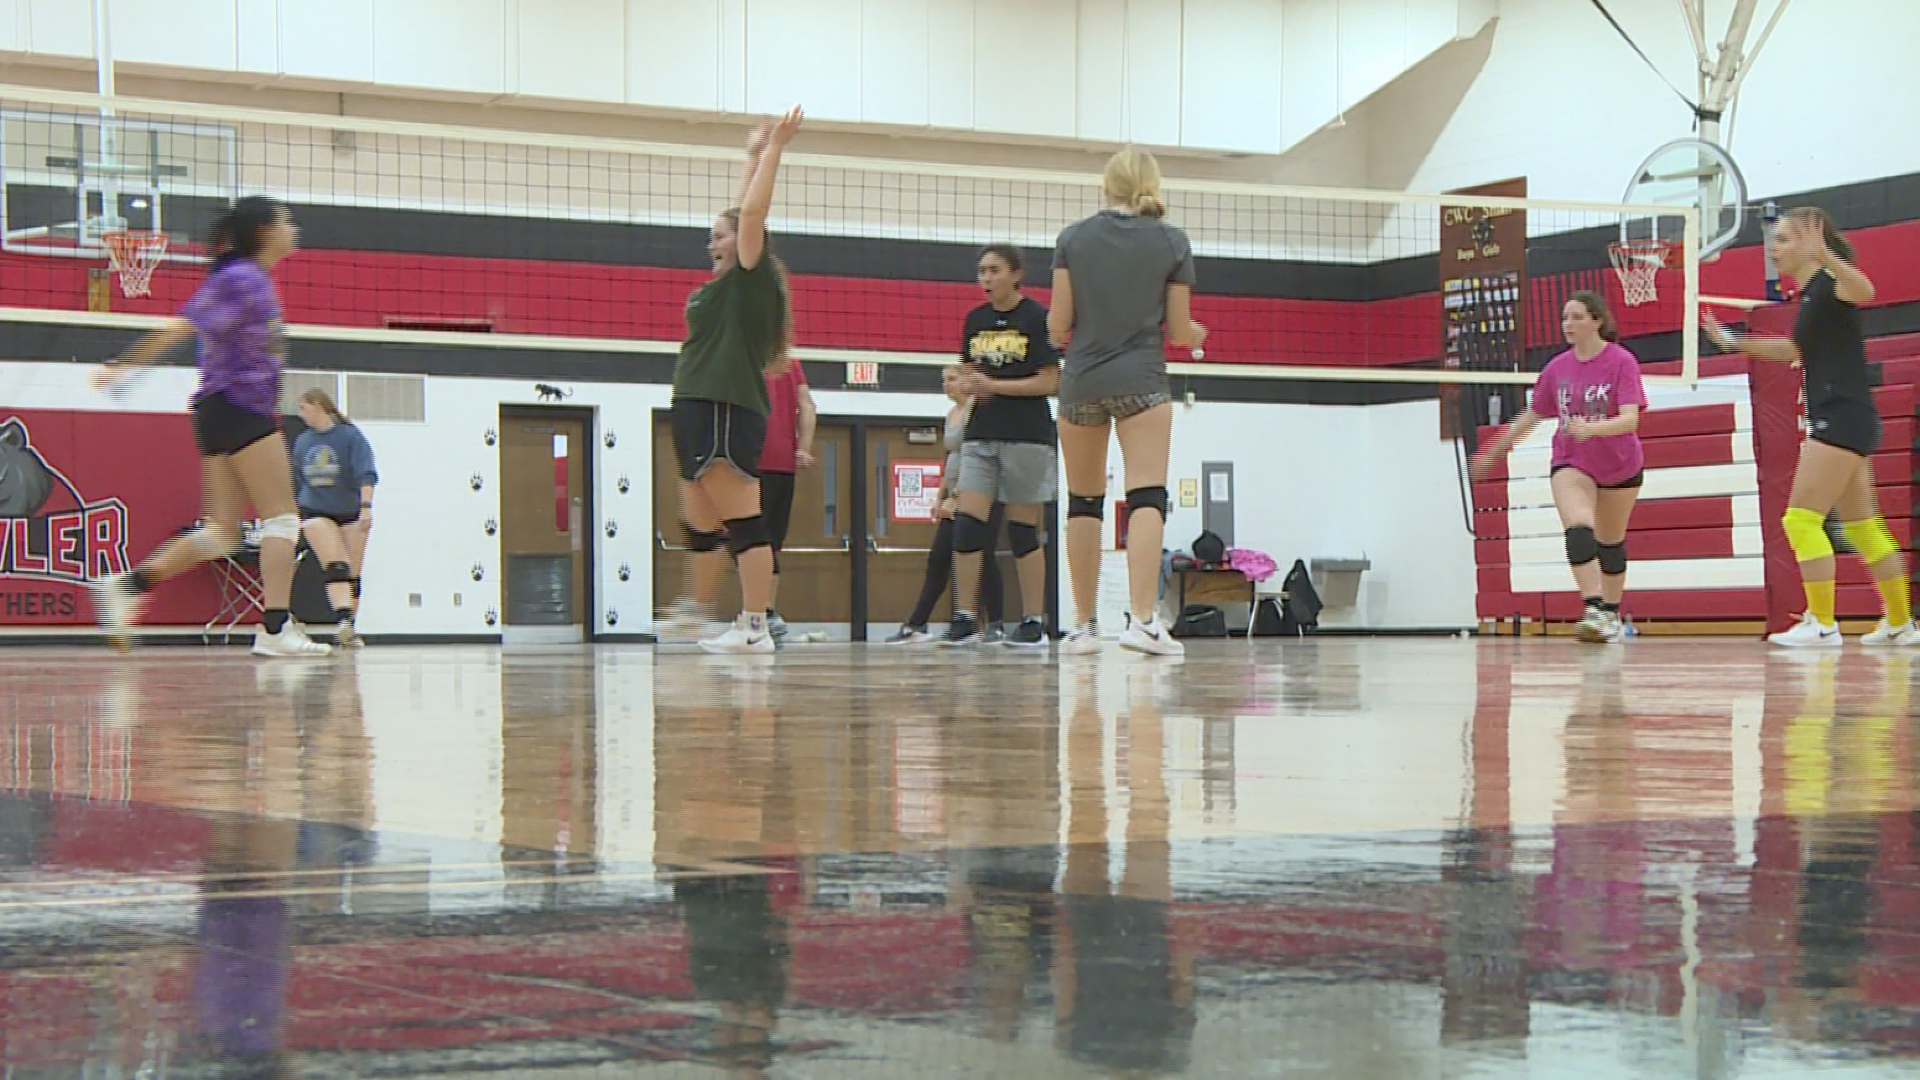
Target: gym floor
[{"x": 1336, "y": 856}]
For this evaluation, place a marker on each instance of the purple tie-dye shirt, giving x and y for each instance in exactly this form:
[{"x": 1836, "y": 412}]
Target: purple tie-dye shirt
[{"x": 242, "y": 342}]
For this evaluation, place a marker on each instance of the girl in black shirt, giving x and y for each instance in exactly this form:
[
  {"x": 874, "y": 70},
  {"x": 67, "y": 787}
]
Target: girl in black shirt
[{"x": 1835, "y": 472}]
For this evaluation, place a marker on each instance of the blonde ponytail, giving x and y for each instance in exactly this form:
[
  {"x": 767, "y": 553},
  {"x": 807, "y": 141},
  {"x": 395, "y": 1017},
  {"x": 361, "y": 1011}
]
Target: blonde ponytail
[{"x": 1132, "y": 179}]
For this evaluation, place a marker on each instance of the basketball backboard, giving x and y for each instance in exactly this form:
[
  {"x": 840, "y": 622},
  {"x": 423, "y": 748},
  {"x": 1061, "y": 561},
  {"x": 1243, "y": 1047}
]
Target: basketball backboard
[
  {"x": 62, "y": 185},
  {"x": 1688, "y": 172}
]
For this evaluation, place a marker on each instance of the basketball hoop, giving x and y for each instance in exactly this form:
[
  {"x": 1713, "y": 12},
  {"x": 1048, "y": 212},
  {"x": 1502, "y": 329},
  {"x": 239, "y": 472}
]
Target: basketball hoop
[
  {"x": 1638, "y": 264},
  {"x": 134, "y": 255}
]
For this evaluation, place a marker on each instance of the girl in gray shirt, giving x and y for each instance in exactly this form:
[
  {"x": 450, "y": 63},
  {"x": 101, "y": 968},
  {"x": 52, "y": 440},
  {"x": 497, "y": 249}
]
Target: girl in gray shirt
[{"x": 1122, "y": 287}]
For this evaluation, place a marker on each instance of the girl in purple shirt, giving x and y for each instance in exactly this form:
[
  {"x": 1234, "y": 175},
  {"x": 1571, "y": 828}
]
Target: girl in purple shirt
[
  {"x": 1594, "y": 390},
  {"x": 238, "y": 321}
]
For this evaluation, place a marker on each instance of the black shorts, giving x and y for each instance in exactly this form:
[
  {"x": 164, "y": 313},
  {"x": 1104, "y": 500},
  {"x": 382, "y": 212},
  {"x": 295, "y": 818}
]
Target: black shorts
[
  {"x": 705, "y": 432},
  {"x": 1631, "y": 482},
  {"x": 224, "y": 428},
  {"x": 1851, "y": 425},
  {"x": 776, "y": 505},
  {"x": 342, "y": 520}
]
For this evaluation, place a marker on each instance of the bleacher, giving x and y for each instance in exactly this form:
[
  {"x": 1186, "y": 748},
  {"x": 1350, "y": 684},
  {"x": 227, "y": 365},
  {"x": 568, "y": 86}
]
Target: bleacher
[{"x": 1708, "y": 555}]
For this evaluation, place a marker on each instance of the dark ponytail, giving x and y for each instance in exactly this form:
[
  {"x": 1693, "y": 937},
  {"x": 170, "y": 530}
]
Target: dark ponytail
[{"x": 240, "y": 230}]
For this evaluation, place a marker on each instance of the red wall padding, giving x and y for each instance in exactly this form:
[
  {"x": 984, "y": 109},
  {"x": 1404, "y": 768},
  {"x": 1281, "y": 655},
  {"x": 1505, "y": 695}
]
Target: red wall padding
[{"x": 366, "y": 288}]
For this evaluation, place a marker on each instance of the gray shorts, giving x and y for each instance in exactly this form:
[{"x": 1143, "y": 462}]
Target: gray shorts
[
  {"x": 1101, "y": 411},
  {"x": 1015, "y": 473}
]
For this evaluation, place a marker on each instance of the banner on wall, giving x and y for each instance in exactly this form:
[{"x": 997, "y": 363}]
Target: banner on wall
[
  {"x": 916, "y": 490},
  {"x": 84, "y": 495}
]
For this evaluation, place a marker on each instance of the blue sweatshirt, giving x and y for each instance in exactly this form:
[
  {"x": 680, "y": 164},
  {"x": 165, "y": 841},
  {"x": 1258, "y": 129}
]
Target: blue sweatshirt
[{"x": 333, "y": 465}]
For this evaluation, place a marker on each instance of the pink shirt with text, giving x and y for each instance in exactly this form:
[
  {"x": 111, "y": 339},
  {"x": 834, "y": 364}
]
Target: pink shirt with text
[{"x": 1594, "y": 389}]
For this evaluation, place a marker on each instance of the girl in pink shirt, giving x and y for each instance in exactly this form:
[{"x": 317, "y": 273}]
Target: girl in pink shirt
[{"x": 1594, "y": 390}]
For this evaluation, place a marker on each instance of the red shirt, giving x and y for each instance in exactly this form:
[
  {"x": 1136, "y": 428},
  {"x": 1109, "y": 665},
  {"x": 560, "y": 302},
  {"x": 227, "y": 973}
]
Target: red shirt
[{"x": 783, "y": 419}]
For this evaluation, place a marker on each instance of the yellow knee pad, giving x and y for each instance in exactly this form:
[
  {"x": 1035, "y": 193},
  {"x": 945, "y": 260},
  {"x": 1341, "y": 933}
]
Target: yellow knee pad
[
  {"x": 1806, "y": 534},
  {"x": 1870, "y": 539}
]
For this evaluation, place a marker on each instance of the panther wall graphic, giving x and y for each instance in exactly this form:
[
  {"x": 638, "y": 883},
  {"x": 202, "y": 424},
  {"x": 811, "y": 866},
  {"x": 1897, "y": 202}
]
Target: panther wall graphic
[{"x": 83, "y": 495}]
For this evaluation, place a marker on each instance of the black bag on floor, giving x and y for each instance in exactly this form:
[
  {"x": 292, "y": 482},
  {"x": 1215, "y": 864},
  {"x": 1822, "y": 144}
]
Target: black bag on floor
[
  {"x": 1200, "y": 621},
  {"x": 1303, "y": 603}
]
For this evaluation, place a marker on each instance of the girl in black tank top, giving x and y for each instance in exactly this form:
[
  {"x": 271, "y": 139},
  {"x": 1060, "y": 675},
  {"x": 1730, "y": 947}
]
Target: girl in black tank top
[{"x": 1835, "y": 472}]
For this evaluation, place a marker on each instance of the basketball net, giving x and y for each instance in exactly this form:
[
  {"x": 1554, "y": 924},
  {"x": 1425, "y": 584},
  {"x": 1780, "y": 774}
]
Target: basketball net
[
  {"x": 1638, "y": 264},
  {"x": 134, "y": 256}
]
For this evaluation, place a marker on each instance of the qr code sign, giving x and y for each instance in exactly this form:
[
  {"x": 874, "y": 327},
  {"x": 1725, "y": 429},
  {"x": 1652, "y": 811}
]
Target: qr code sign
[{"x": 910, "y": 480}]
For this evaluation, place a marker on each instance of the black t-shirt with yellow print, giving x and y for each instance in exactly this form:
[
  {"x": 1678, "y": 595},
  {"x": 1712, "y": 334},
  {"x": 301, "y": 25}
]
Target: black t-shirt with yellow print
[{"x": 1009, "y": 345}]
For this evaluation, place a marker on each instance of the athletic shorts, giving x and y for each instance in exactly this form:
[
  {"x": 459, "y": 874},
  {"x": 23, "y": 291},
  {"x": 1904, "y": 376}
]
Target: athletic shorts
[
  {"x": 1848, "y": 424},
  {"x": 1105, "y": 410},
  {"x": 342, "y": 520},
  {"x": 1015, "y": 473},
  {"x": 1628, "y": 484},
  {"x": 224, "y": 428},
  {"x": 706, "y": 432}
]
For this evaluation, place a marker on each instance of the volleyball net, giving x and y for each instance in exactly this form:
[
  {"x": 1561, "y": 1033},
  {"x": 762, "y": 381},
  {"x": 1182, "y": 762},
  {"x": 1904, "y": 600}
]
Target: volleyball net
[{"x": 479, "y": 237}]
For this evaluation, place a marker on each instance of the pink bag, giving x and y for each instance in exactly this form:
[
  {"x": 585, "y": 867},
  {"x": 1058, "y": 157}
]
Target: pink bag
[{"x": 1254, "y": 565}]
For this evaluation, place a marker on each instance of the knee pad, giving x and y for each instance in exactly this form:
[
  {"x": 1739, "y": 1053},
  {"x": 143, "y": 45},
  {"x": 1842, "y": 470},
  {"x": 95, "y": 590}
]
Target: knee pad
[
  {"x": 1869, "y": 540},
  {"x": 701, "y": 541},
  {"x": 1806, "y": 534},
  {"x": 1087, "y": 506},
  {"x": 1613, "y": 558},
  {"x": 1582, "y": 546},
  {"x": 1148, "y": 498},
  {"x": 336, "y": 572},
  {"x": 355, "y": 582},
  {"x": 745, "y": 534},
  {"x": 1024, "y": 540},
  {"x": 970, "y": 534},
  {"x": 281, "y": 527}
]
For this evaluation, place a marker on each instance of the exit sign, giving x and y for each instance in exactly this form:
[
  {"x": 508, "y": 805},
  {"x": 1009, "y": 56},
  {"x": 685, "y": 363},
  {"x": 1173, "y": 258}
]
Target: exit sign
[{"x": 863, "y": 373}]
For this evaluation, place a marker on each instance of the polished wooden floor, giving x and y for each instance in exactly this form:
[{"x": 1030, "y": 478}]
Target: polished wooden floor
[{"x": 1335, "y": 857}]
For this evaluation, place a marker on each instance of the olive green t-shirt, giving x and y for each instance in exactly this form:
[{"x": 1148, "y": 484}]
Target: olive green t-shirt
[{"x": 733, "y": 332}]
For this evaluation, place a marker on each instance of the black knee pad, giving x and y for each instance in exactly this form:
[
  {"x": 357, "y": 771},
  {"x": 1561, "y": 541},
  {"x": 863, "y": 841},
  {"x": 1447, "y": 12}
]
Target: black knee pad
[
  {"x": 1024, "y": 540},
  {"x": 970, "y": 534},
  {"x": 701, "y": 541},
  {"x": 1613, "y": 558},
  {"x": 355, "y": 582},
  {"x": 1153, "y": 498},
  {"x": 776, "y": 559},
  {"x": 1582, "y": 547},
  {"x": 1087, "y": 506},
  {"x": 745, "y": 534},
  {"x": 335, "y": 572}
]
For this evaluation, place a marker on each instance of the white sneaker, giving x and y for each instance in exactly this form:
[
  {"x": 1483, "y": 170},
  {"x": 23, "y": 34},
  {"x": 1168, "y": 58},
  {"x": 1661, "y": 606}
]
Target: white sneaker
[
  {"x": 119, "y": 606},
  {"x": 748, "y": 634},
  {"x": 1151, "y": 638},
  {"x": 1600, "y": 627},
  {"x": 1892, "y": 635},
  {"x": 909, "y": 635},
  {"x": 1082, "y": 640},
  {"x": 1808, "y": 633},
  {"x": 683, "y": 621},
  {"x": 290, "y": 641}
]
